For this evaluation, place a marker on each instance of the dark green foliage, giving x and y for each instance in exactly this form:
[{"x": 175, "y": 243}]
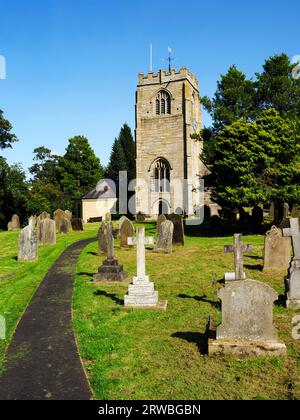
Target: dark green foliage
[
  {"x": 6, "y": 137},
  {"x": 79, "y": 171},
  {"x": 123, "y": 155}
]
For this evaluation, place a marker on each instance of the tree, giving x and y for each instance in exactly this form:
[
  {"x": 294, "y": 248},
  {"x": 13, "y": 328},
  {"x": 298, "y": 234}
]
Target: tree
[
  {"x": 6, "y": 137},
  {"x": 126, "y": 140},
  {"x": 255, "y": 162},
  {"x": 79, "y": 171},
  {"x": 117, "y": 160},
  {"x": 277, "y": 88},
  {"x": 234, "y": 99}
]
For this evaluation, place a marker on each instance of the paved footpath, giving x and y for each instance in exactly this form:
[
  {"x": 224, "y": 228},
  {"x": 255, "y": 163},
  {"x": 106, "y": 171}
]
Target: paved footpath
[{"x": 42, "y": 362}]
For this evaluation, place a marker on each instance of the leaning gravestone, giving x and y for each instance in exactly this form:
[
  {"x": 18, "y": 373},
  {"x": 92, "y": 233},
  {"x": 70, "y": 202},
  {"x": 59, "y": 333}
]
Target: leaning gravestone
[
  {"x": 102, "y": 238},
  {"x": 277, "y": 251},
  {"x": 161, "y": 218},
  {"x": 64, "y": 226},
  {"x": 126, "y": 231},
  {"x": 293, "y": 282},
  {"x": 15, "y": 222},
  {"x": 77, "y": 225},
  {"x": 47, "y": 232},
  {"x": 59, "y": 216},
  {"x": 178, "y": 234},
  {"x": 28, "y": 245},
  {"x": 110, "y": 270},
  {"x": 247, "y": 321},
  {"x": 165, "y": 237}
]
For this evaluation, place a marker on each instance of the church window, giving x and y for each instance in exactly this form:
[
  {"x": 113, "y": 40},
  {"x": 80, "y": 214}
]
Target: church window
[
  {"x": 162, "y": 176},
  {"x": 163, "y": 103}
]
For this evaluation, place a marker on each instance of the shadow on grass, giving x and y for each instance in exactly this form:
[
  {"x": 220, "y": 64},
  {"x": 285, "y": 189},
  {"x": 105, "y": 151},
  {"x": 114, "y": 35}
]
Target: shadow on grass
[
  {"x": 216, "y": 305},
  {"x": 111, "y": 296},
  {"x": 257, "y": 267},
  {"x": 84, "y": 274},
  {"x": 281, "y": 301},
  {"x": 93, "y": 253}
]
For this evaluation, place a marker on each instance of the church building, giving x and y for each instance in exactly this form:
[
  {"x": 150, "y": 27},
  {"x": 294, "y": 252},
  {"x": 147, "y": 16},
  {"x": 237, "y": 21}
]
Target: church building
[{"x": 168, "y": 112}]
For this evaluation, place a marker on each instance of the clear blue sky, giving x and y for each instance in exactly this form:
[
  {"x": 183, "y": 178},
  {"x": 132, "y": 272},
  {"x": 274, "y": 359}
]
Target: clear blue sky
[{"x": 72, "y": 65}]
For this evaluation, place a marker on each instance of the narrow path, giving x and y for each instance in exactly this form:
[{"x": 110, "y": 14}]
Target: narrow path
[{"x": 42, "y": 362}]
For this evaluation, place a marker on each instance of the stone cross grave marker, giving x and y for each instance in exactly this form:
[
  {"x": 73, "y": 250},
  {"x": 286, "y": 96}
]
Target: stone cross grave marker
[
  {"x": 239, "y": 249},
  {"x": 141, "y": 293},
  {"x": 293, "y": 282}
]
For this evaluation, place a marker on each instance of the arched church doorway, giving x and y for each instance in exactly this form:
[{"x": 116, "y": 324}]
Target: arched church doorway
[{"x": 163, "y": 207}]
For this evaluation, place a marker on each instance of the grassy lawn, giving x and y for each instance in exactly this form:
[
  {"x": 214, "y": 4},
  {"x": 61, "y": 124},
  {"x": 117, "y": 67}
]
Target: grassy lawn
[
  {"x": 162, "y": 355},
  {"x": 19, "y": 280}
]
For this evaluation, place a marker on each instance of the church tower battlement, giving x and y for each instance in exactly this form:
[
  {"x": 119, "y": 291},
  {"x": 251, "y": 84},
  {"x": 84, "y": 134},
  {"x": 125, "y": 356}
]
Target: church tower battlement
[{"x": 168, "y": 112}]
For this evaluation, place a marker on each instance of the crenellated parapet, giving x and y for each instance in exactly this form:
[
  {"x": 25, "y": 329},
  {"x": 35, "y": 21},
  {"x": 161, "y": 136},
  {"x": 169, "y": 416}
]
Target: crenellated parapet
[{"x": 165, "y": 77}]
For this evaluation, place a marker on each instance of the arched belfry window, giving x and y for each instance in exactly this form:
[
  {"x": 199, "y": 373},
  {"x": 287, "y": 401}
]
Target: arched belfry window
[
  {"x": 163, "y": 103},
  {"x": 161, "y": 175}
]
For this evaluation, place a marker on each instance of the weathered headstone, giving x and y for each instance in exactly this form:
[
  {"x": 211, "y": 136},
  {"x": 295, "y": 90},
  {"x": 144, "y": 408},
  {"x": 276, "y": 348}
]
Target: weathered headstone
[
  {"x": 64, "y": 226},
  {"x": 161, "y": 218},
  {"x": 58, "y": 216},
  {"x": 126, "y": 231},
  {"x": 68, "y": 215},
  {"x": 121, "y": 221},
  {"x": 178, "y": 233},
  {"x": 77, "y": 225},
  {"x": 110, "y": 270},
  {"x": 9, "y": 226},
  {"x": 293, "y": 282},
  {"x": 102, "y": 238},
  {"x": 277, "y": 251},
  {"x": 238, "y": 249},
  {"x": 32, "y": 222},
  {"x": 165, "y": 237},
  {"x": 28, "y": 245},
  {"x": 107, "y": 218},
  {"x": 141, "y": 293},
  {"x": 15, "y": 222},
  {"x": 44, "y": 215},
  {"x": 140, "y": 217},
  {"x": 47, "y": 232},
  {"x": 247, "y": 321}
]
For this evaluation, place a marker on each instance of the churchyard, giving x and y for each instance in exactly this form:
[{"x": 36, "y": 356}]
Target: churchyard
[{"x": 153, "y": 353}]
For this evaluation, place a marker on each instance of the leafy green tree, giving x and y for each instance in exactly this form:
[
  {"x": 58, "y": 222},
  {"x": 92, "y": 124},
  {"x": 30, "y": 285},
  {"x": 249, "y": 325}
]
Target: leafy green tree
[
  {"x": 79, "y": 171},
  {"x": 277, "y": 88},
  {"x": 234, "y": 99},
  {"x": 117, "y": 160},
  {"x": 6, "y": 137},
  {"x": 254, "y": 162}
]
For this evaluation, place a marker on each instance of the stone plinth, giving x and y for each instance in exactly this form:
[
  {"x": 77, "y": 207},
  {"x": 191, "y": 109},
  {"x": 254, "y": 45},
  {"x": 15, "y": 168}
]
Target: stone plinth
[
  {"x": 243, "y": 349},
  {"x": 110, "y": 271},
  {"x": 141, "y": 293}
]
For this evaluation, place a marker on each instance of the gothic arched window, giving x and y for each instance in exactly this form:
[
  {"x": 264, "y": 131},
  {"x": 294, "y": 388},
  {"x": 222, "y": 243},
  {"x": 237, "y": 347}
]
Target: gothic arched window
[
  {"x": 163, "y": 103},
  {"x": 161, "y": 175}
]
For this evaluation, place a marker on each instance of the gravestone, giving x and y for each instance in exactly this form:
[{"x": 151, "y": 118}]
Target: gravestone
[
  {"x": 28, "y": 245},
  {"x": 102, "y": 238},
  {"x": 32, "y": 222},
  {"x": 247, "y": 321},
  {"x": 47, "y": 232},
  {"x": 257, "y": 216},
  {"x": 110, "y": 270},
  {"x": 126, "y": 231},
  {"x": 285, "y": 222},
  {"x": 15, "y": 222},
  {"x": 178, "y": 233},
  {"x": 161, "y": 218},
  {"x": 238, "y": 249},
  {"x": 121, "y": 221},
  {"x": 59, "y": 216},
  {"x": 277, "y": 250},
  {"x": 165, "y": 237},
  {"x": 77, "y": 225},
  {"x": 64, "y": 226},
  {"x": 68, "y": 215},
  {"x": 141, "y": 293},
  {"x": 108, "y": 218},
  {"x": 293, "y": 282},
  {"x": 140, "y": 217},
  {"x": 44, "y": 215},
  {"x": 9, "y": 226}
]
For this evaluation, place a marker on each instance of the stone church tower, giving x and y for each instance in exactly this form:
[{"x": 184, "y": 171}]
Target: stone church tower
[{"x": 168, "y": 112}]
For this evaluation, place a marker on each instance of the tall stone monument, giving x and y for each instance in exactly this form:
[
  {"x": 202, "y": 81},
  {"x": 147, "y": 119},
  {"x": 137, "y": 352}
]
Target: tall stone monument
[{"x": 141, "y": 293}]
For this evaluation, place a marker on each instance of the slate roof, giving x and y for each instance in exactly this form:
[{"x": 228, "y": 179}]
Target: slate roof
[{"x": 103, "y": 191}]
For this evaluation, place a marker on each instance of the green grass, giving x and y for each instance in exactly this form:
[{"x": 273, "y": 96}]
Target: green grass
[
  {"x": 19, "y": 280},
  {"x": 162, "y": 355}
]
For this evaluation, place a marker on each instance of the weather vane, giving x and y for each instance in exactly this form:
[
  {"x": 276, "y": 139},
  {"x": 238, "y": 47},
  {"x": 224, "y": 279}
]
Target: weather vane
[{"x": 170, "y": 58}]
